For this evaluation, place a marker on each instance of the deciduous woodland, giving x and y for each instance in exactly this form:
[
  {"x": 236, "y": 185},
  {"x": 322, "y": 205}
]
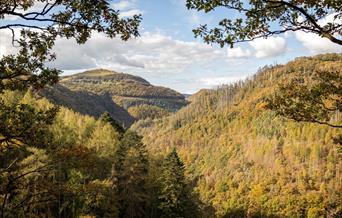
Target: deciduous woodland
[
  {"x": 223, "y": 155},
  {"x": 108, "y": 144}
]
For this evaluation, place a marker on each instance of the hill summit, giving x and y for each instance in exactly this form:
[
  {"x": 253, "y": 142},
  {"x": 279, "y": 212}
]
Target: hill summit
[
  {"x": 125, "y": 97},
  {"x": 126, "y": 90}
]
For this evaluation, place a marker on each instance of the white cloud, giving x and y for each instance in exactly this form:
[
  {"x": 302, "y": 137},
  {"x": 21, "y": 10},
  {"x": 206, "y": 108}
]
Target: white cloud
[
  {"x": 238, "y": 52},
  {"x": 152, "y": 52},
  {"x": 130, "y": 13},
  {"x": 124, "y": 5},
  {"x": 269, "y": 47},
  {"x": 3, "y": 49},
  {"x": 331, "y": 18},
  {"x": 4, "y": 43},
  {"x": 216, "y": 81},
  {"x": 274, "y": 46},
  {"x": 261, "y": 48},
  {"x": 6, "y": 46},
  {"x": 127, "y": 8},
  {"x": 316, "y": 44}
]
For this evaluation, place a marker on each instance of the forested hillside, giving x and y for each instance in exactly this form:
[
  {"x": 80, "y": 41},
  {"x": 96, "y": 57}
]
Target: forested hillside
[
  {"x": 125, "y": 97},
  {"x": 223, "y": 155},
  {"x": 244, "y": 160},
  {"x": 79, "y": 166},
  {"x": 266, "y": 147},
  {"x": 87, "y": 103},
  {"x": 126, "y": 90}
]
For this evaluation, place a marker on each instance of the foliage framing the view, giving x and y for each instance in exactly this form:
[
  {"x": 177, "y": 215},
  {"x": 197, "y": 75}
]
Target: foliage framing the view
[
  {"x": 312, "y": 98},
  {"x": 24, "y": 128},
  {"x": 260, "y": 18},
  {"x": 40, "y": 27}
]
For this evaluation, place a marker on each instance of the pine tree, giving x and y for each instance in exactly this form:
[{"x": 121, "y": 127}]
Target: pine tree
[
  {"x": 173, "y": 196},
  {"x": 105, "y": 117},
  {"x": 130, "y": 175}
]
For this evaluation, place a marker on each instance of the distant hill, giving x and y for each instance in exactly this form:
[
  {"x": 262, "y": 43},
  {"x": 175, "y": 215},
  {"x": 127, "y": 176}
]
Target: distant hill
[
  {"x": 87, "y": 103},
  {"x": 247, "y": 162},
  {"x": 126, "y": 97},
  {"x": 126, "y": 90}
]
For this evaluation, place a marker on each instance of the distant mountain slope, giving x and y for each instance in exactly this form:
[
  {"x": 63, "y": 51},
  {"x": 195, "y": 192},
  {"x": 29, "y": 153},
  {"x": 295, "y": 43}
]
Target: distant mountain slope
[
  {"x": 247, "y": 162},
  {"x": 126, "y": 90},
  {"x": 87, "y": 103}
]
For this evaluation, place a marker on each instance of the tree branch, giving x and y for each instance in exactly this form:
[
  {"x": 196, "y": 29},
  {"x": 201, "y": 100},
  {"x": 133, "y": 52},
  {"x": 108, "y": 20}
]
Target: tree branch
[{"x": 320, "y": 29}]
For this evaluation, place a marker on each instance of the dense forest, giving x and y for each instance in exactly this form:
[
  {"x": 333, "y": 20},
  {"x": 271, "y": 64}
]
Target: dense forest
[
  {"x": 82, "y": 166},
  {"x": 109, "y": 144},
  {"x": 223, "y": 155},
  {"x": 244, "y": 160}
]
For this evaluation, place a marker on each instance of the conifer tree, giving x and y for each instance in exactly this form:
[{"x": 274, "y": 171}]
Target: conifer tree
[
  {"x": 107, "y": 118},
  {"x": 130, "y": 175},
  {"x": 173, "y": 197}
]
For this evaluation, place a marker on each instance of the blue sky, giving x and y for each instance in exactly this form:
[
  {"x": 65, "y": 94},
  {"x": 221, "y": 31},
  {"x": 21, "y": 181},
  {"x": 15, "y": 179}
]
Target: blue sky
[{"x": 167, "y": 53}]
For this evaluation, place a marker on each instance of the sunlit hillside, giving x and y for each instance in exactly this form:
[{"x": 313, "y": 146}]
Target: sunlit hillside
[
  {"x": 170, "y": 109},
  {"x": 244, "y": 160}
]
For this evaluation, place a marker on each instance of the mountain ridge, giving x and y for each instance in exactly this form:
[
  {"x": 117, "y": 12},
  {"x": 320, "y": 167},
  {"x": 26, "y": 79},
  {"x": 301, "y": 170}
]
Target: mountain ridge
[
  {"x": 125, "y": 97},
  {"x": 126, "y": 90},
  {"x": 103, "y": 74}
]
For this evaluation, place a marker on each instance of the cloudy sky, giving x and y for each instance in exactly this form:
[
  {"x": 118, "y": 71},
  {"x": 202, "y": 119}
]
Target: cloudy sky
[{"x": 168, "y": 54}]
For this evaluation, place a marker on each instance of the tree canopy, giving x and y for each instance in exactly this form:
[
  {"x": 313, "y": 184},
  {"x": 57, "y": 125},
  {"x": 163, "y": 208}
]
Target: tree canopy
[
  {"x": 105, "y": 117},
  {"x": 314, "y": 96},
  {"x": 264, "y": 18},
  {"x": 243, "y": 159},
  {"x": 41, "y": 22},
  {"x": 33, "y": 160},
  {"x": 173, "y": 191},
  {"x": 315, "y": 99}
]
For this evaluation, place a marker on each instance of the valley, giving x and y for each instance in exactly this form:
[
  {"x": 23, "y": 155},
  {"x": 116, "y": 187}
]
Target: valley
[
  {"x": 231, "y": 155},
  {"x": 91, "y": 128}
]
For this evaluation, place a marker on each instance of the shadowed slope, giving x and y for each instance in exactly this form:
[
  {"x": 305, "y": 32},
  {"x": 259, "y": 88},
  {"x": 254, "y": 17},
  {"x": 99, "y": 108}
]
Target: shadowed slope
[{"x": 87, "y": 103}]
